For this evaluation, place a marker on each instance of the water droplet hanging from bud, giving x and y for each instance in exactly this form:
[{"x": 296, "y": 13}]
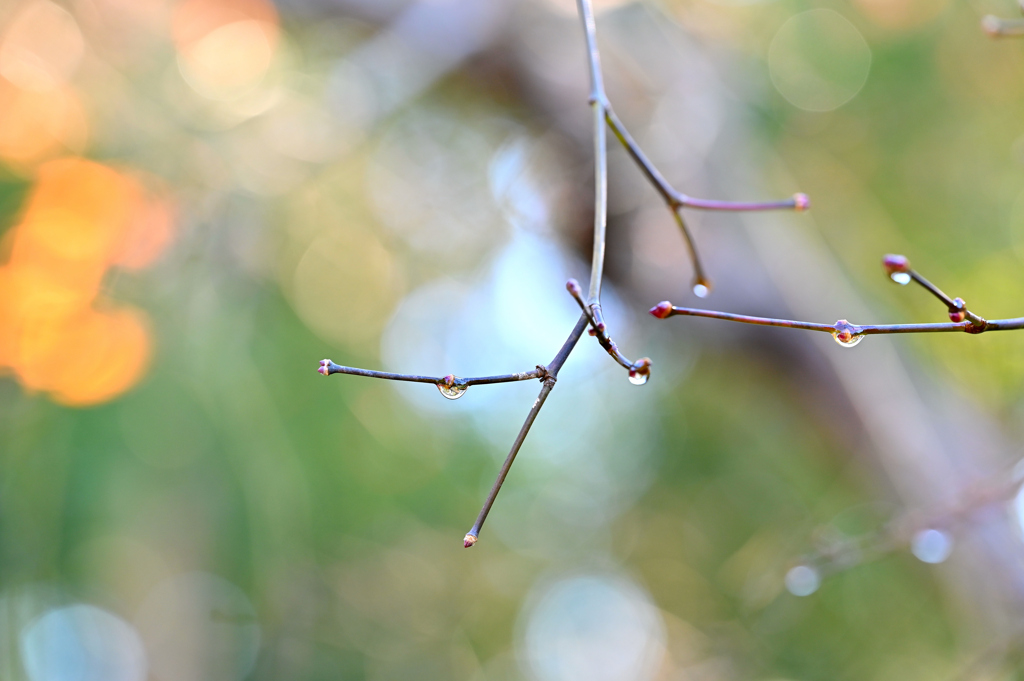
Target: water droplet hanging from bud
[
  {"x": 701, "y": 290},
  {"x": 898, "y": 268},
  {"x": 846, "y": 334},
  {"x": 640, "y": 372},
  {"x": 803, "y": 580}
]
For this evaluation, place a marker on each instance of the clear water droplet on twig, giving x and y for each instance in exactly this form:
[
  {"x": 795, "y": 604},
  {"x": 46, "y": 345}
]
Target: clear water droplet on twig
[
  {"x": 452, "y": 391},
  {"x": 901, "y": 278},
  {"x": 846, "y": 334}
]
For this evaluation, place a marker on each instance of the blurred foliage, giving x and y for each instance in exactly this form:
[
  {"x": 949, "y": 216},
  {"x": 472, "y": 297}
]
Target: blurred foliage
[{"x": 340, "y": 185}]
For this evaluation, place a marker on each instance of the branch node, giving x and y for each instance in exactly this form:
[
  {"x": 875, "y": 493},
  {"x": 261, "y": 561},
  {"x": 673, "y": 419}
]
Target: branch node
[{"x": 958, "y": 312}]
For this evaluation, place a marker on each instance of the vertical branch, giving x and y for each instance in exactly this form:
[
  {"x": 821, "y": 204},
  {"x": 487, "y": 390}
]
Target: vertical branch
[{"x": 598, "y": 104}]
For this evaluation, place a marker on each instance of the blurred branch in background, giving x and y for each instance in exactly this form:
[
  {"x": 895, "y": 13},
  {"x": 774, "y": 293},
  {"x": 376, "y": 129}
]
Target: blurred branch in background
[
  {"x": 193, "y": 504},
  {"x": 1003, "y": 28}
]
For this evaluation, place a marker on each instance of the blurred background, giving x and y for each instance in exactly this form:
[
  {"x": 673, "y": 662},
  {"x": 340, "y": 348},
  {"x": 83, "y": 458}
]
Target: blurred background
[{"x": 200, "y": 199}]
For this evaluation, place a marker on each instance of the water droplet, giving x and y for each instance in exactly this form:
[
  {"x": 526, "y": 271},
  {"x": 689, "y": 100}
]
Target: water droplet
[
  {"x": 452, "y": 393},
  {"x": 931, "y": 545},
  {"x": 901, "y": 278},
  {"x": 846, "y": 334},
  {"x": 803, "y": 580},
  {"x": 636, "y": 378},
  {"x": 700, "y": 290}
]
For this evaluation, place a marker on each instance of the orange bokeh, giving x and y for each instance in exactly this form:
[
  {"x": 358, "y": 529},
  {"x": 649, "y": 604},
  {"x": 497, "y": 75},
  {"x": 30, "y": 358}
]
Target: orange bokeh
[{"x": 81, "y": 219}]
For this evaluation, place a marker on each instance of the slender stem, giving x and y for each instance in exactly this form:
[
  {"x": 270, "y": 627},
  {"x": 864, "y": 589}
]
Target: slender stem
[
  {"x": 932, "y": 288},
  {"x": 699, "y": 276},
  {"x": 746, "y": 319},
  {"x": 600, "y": 201},
  {"x": 666, "y": 310},
  {"x": 327, "y": 367},
  {"x": 598, "y": 327},
  {"x": 549, "y": 383}
]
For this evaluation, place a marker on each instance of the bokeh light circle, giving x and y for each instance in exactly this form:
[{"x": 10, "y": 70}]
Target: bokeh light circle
[
  {"x": 199, "y": 626},
  {"x": 931, "y": 545},
  {"x": 598, "y": 628},
  {"x": 82, "y": 643},
  {"x": 818, "y": 60}
]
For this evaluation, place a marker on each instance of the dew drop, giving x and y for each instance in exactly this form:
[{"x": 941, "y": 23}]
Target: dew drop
[
  {"x": 803, "y": 580},
  {"x": 931, "y": 546},
  {"x": 700, "y": 290},
  {"x": 847, "y": 343},
  {"x": 846, "y": 334},
  {"x": 901, "y": 278},
  {"x": 636, "y": 378},
  {"x": 453, "y": 392}
]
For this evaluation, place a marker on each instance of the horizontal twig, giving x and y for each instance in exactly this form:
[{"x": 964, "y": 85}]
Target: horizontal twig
[{"x": 450, "y": 386}]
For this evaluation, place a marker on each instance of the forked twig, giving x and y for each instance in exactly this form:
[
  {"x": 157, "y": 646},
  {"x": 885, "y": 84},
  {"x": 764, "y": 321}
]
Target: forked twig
[{"x": 454, "y": 387}]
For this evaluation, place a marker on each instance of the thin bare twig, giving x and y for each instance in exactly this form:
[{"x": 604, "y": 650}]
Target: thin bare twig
[
  {"x": 847, "y": 334},
  {"x": 677, "y": 201}
]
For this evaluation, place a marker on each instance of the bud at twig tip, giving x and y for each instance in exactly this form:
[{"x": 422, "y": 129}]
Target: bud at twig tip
[
  {"x": 573, "y": 287},
  {"x": 801, "y": 202},
  {"x": 662, "y": 309},
  {"x": 895, "y": 263},
  {"x": 325, "y": 367},
  {"x": 469, "y": 540}
]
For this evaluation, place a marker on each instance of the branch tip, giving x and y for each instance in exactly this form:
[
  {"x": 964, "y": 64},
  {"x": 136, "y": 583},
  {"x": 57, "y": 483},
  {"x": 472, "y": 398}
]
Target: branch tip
[
  {"x": 701, "y": 287},
  {"x": 640, "y": 372},
  {"x": 895, "y": 264},
  {"x": 574, "y": 288},
  {"x": 325, "y": 367},
  {"x": 662, "y": 310},
  {"x": 469, "y": 540},
  {"x": 801, "y": 202}
]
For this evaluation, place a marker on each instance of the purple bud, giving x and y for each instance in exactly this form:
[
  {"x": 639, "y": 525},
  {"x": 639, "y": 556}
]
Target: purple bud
[
  {"x": 959, "y": 313},
  {"x": 449, "y": 380},
  {"x": 801, "y": 202},
  {"x": 573, "y": 287},
  {"x": 469, "y": 540},
  {"x": 325, "y": 367},
  {"x": 662, "y": 309},
  {"x": 895, "y": 263}
]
